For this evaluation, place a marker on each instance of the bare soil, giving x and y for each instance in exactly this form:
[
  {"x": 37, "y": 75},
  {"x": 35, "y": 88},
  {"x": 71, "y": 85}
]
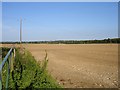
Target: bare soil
[{"x": 81, "y": 65}]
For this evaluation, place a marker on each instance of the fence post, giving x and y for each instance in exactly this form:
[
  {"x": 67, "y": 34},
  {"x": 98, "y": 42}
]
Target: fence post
[
  {"x": 11, "y": 62},
  {"x": 14, "y": 53},
  {"x": 7, "y": 79}
]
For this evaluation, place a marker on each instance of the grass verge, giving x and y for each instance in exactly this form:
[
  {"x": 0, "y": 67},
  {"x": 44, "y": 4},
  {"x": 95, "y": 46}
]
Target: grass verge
[{"x": 28, "y": 74}]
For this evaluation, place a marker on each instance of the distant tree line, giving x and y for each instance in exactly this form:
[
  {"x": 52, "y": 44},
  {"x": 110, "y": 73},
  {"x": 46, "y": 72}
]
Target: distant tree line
[{"x": 113, "y": 40}]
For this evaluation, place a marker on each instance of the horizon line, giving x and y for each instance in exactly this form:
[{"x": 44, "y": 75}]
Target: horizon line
[{"x": 60, "y": 40}]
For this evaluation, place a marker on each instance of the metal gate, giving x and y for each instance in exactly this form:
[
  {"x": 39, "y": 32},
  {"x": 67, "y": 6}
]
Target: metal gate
[{"x": 9, "y": 61}]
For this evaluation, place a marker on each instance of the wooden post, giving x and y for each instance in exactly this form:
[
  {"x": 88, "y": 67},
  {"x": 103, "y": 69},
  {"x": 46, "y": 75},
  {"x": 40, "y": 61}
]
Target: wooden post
[
  {"x": 11, "y": 62},
  {"x": 14, "y": 53},
  {"x": 8, "y": 73}
]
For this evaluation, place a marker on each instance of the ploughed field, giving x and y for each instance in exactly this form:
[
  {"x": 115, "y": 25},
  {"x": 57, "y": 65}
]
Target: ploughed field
[{"x": 80, "y": 65}]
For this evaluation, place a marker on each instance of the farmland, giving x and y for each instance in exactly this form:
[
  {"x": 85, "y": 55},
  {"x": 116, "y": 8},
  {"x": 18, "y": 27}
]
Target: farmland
[
  {"x": 80, "y": 66},
  {"x": 26, "y": 72}
]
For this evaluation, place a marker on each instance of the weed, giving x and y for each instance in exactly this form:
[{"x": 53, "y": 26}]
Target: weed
[{"x": 28, "y": 74}]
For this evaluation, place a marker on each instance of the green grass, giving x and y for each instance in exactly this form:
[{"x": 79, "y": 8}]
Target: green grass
[
  {"x": 28, "y": 74},
  {"x": 0, "y": 55}
]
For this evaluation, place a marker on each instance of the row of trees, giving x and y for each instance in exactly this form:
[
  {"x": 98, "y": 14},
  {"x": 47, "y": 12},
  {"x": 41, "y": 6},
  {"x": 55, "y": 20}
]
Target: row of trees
[{"x": 114, "y": 40}]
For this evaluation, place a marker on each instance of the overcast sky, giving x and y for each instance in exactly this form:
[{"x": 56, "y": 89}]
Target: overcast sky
[{"x": 60, "y": 21}]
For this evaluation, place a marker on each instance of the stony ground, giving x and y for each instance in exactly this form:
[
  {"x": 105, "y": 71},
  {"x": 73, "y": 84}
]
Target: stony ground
[
  {"x": 80, "y": 66},
  {"x": 89, "y": 66}
]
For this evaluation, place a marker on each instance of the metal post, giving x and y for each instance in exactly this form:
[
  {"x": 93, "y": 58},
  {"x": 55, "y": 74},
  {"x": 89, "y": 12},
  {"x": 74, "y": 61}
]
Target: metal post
[{"x": 20, "y": 31}]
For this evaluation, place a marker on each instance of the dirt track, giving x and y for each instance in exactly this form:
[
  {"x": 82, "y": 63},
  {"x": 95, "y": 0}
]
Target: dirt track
[{"x": 89, "y": 66}]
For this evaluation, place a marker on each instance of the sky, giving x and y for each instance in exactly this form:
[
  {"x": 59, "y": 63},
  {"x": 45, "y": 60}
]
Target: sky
[
  {"x": 0, "y": 22},
  {"x": 59, "y": 20},
  {"x": 60, "y": 0}
]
